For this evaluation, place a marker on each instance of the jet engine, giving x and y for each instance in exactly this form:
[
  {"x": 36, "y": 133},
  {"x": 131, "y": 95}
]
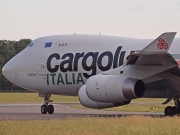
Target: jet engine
[
  {"x": 87, "y": 102},
  {"x": 113, "y": 88}
]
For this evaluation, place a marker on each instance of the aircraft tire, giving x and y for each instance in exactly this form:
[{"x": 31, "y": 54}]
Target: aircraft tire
[
  {"x": 44, "y": 109},
  {"x": 170, "y": 111},
  {"x": 50, "y": 109}
]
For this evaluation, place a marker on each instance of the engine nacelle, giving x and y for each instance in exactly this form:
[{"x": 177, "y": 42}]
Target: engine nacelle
[
  {"x": 87, "y": 102},
  {"x": 112, "y": 88}
]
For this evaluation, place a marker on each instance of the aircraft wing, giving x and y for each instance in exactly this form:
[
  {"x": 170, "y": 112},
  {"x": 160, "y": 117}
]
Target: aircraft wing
[
  {"x": 155, "y": 54},
  {"x": 155, "y": 59},
  {"x": 151, "y": 60}
]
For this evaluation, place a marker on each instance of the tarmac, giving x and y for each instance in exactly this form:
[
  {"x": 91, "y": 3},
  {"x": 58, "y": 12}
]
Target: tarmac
[{"x": 62, "y": 111}]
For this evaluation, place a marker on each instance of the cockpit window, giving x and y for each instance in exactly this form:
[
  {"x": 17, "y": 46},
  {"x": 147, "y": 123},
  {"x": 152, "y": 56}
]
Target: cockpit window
[{"x": 30, "y": 45}]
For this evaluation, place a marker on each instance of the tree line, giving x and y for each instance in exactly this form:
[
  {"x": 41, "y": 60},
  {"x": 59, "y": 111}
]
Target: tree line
[{"x": 9, "y": 49}]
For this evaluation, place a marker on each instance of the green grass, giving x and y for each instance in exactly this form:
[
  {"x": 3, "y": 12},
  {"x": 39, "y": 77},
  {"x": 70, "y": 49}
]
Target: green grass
[
  {"x": 138, "y": 105},
  {"x": 153, "y": 100},
  {"x": 132, "y": 125},
  {"x": 32, "y": 98},
  {"x": 132, "y": 108}
]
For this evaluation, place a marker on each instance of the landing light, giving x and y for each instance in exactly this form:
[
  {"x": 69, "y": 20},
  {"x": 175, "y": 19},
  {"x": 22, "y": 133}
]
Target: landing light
[{"x": 152, "y": 109}]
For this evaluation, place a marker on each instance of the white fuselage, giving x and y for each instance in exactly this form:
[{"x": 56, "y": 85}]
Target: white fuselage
[{"x": 62, "y": 64}]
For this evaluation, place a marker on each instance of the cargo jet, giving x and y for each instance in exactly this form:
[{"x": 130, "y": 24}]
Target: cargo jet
[{"x": 103, "y": 71}]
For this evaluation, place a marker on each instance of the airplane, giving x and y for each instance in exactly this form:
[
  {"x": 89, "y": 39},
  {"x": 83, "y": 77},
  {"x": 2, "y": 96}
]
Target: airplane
[{"x": 103, "y": 71}]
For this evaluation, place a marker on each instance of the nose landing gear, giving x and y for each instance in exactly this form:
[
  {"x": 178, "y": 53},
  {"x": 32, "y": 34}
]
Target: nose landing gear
[
  {"x": 46, "y": 107},
  {"x": 173, "y": 110}
]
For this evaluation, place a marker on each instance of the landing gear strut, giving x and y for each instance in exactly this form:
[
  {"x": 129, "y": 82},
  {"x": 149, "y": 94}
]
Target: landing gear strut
[
  {"x": 173, "y": 110},
  {"x": 46, "y": 107}
]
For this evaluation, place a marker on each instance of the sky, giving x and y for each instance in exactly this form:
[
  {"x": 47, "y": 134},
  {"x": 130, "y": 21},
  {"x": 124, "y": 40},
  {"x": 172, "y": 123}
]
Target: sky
[{"x": 128, "y": 18}]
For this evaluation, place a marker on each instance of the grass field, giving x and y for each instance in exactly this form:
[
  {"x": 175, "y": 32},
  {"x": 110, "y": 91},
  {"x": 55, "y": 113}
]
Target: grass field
[
  {"x": 132, "y": 125},
  {"x": 138, "y": 105},
  {"x": 33, "y": 98},
  {"x": 131, "y": 108}
]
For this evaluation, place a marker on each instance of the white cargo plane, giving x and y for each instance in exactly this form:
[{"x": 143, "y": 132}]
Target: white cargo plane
[{"x": 103, "y": 71}]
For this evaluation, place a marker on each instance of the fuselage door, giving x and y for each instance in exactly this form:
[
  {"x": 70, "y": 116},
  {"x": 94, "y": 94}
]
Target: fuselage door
[
  {"x": 41, "y": 67},
  {"x": 42, "y": 70}
]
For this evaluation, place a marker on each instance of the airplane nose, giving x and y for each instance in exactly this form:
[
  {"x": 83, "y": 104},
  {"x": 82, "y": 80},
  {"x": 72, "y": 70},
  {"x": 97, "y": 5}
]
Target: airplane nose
[{"x": 9, "y": 71}]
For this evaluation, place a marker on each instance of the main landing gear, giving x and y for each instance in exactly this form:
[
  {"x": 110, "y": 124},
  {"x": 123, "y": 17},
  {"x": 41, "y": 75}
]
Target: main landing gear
[
  {"x": 46, "y": 107},
  {"x": 173, "y": 110}
]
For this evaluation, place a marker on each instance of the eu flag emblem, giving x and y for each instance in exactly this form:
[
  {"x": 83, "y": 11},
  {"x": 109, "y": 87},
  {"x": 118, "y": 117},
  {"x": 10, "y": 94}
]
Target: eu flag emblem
[{"x": 48, "y": 44}]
